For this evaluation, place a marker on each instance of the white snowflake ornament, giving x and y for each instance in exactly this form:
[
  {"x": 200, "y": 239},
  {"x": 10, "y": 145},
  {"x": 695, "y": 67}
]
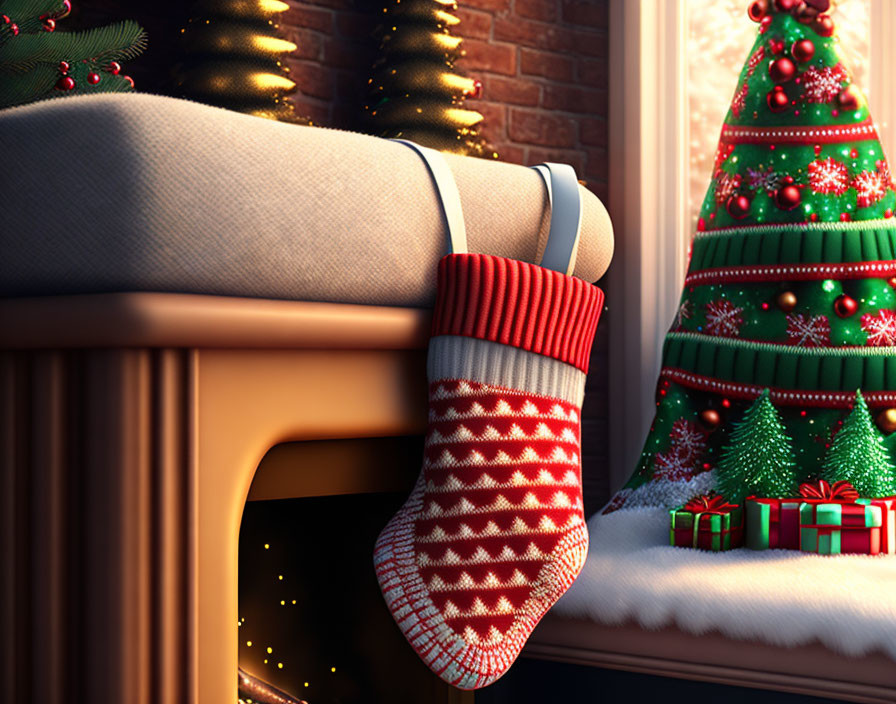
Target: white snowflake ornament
[
  {"x": 881, "y": 328},
  {"x": 723, "y": 318},
  {"x": 806, "y": 331}
]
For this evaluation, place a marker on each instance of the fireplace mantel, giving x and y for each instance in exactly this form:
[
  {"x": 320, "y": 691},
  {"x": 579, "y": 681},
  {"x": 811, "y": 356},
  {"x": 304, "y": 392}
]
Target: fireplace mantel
[{"x": 133, "y": 424}]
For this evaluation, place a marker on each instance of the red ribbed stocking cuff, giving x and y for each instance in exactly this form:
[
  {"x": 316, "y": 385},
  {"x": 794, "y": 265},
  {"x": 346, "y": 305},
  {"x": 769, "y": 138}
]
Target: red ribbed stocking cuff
[{"x": 518, "y": 304}]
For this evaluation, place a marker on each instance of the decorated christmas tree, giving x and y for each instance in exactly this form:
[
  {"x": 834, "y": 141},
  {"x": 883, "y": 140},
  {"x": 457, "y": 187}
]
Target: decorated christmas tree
[
  {"x": 416, "y": 92},
  {"x": 232, "y": 56},
  {"x": 759, "y": 458},
  {"x": 858, "y": 455},
  {"x": 37, "y": 62},
  {"x": 793, "y": 267}
]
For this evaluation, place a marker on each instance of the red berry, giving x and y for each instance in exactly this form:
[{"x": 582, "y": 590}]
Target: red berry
[
  {"x": 64, "y": 66},
  {"x": 888, "y": 213},
  {"x": 65, "y": 83},
  {"x": 782, "y": 70},
  {"x": 803, "y": 50},
  {"x": 114, "y": 67},
  {"x": 786, "y": 5},
  {"x": 820, "y": 5},
  {"x": 93, "y": 78},
  {"x": 814, "y": 217},
  {"x": 776, "y": 45},
  {"x": 777, "y": 100},
  {"x": 14, "y": 28},
  {"x": 845, "y": 217},
  {"x": 5, "y": 19}
]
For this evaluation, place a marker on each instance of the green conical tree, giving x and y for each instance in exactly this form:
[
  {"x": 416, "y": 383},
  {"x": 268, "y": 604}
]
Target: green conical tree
[
  {"x": 416, "y": 92},
  {"x": 759, "y": 459},
  {"x": 36, "y": 62},
  {"x": 792, "y": 276},
  {"x": 859, "y": 456}
]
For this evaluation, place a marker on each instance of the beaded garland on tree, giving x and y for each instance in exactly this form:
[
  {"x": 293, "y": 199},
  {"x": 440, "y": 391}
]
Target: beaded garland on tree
[{"x": 792, "y": 280}]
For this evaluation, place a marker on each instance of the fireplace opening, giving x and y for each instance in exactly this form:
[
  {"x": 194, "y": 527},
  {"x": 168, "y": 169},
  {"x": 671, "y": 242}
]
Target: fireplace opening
[{"x": 312, "y": 621}]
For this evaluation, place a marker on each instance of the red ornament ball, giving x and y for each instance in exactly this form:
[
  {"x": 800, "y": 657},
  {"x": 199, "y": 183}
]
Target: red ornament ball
[
  {"x": 710, "y": 419},
  {"x": 845, "y": 306},
  {"x": 66, "y": 9},
  {"x": 738, "y": 207},
  {"x": 888, "y": 213},
  {"x": 777, "y": 100},
  {"x": 823, "y": 26},
  {"x": 786, "y": 5},
  {"x": 757, "y": 10},
  {"x": 64, "y": 66},
  {"x": 93, "y": 78},
  {"x": 847, "y": 99},
  {"x": 803, "y": 50},
  {"x": 114, "y": 68},
  {"x": 787, "y": 198},
  {"x": 49, "y": 24},
  {"x": 782, "y": 70},
  {"x": 892, "y": 281},
  {"x": 129, "y": 80},
  {"x": 65, "y": 83}
]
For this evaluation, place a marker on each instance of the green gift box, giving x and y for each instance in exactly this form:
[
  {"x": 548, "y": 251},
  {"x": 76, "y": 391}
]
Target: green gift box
[
  {"x": 706, "y": 530},
  {"x": 839, "y": 528}
]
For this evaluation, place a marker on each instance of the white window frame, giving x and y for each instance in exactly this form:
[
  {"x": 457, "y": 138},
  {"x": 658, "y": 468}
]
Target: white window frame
[{"x": 648, "y": 196}]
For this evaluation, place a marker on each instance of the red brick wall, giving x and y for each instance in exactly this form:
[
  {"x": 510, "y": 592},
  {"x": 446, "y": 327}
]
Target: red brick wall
[{"x": 543, "y": 65}]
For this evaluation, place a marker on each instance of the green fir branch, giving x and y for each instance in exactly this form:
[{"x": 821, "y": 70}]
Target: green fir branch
[{"x": 117, "y": 42}]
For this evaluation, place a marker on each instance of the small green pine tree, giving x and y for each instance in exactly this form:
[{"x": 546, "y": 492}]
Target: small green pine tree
[
  {"x": 858, "y": 455},
  {"x": 37, "y": 62},
  {"x": 759, "y": 459}
]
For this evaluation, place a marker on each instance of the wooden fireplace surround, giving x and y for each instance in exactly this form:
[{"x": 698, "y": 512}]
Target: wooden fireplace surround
[{"x": 133, "y": 424}]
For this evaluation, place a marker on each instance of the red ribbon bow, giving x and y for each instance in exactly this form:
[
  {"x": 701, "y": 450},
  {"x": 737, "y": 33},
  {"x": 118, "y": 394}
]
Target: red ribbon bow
[
  {"x": 840, "y": 492},
  {"x": 708, "y": 504}
]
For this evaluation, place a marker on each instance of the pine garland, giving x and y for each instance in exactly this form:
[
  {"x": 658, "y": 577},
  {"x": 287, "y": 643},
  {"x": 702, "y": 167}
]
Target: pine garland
[{"x": 37, "y": 62}]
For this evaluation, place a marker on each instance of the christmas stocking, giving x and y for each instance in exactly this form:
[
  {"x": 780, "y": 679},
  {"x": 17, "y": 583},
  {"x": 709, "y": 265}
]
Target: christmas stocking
[{"x": 494, "y": 532}]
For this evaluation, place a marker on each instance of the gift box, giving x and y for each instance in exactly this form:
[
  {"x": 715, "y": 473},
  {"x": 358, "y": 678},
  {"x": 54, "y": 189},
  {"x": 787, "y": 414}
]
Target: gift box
[
  {"x": 707, "y": 523},
  {"x": 834, "y": 520},
  {"x": 772, "y": 523},
  {"x": 888, "y": 527}
]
